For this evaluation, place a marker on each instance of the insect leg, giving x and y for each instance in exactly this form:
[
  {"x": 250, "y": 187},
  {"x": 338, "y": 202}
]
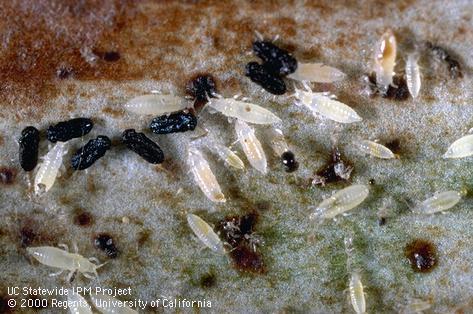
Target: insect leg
[
  {"x": 63, "y": 246},
  {"x": 56, "y": 274}
]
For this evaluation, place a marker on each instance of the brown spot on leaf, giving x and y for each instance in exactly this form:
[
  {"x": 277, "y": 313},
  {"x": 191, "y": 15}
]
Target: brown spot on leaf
[
  {"x": 7, "y": 175},
  {"x": 422, "y": 255}
]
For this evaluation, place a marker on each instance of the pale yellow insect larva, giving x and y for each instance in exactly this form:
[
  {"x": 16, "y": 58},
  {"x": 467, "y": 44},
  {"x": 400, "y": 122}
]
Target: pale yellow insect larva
[
  {"x": 357, "y": 295},
  {"x": 439, "y": 202},
  {"x": 385, "y": 59},
  {"x": 376, "y": 150},
  {"x": 463, "y": 147},
  {"x": 204, "y": 176},
  {"x": 106, "y": 304},
  {"x": 317, "y": 72},
  {"x": 48, "y": 170},
  {"x": 77, "y": 304},
  {"x": 205, "y": 233},
  {"x": 341, "y": 202},
  {"x": 54, "y": 257},
  {"x": 243, "y": 110},
  {"x": 416, "y": 306},
  {"x": 413, "y": 74},
  {"x": 156, "y": 104},
  {"x": 278, "y": 142},
  {"x": 325, "y": 105},
  {"x": 251, "y": 146},
  {"x": 227, "y": 155}
]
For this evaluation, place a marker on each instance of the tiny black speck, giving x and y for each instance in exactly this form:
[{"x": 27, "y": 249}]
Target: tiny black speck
[
  {"x": 105, "y": 243},
  {"x": 289, "y": 161}
]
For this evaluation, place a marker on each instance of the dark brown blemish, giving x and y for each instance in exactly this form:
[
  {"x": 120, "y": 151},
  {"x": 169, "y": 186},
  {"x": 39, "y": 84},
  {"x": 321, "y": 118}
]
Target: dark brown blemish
[
  {"x": 394, "y": 145},
  {"x": 111, "y": 56},
  {"x": 83, "y": 218},
  {"x": 247, "y": 260},
  {"x": 144, "y": 237},
  {"x": 4, "y": 308},
  {"x": 382, "y": 221},
  {"x": 238, "y": 231},
  {"x": 397, "y": 91},
  {"x": 422, "y": 255},
  {"x": 208, "y": 280},
  {"x": 27, "y": 236},
  {"x": 372, "y": 182},
  {"x": 7, "y": 175},
  {"x": 64, "y": 72},
  {"x": 337, "y": 169},
  {"x": 105, "y": 242}
]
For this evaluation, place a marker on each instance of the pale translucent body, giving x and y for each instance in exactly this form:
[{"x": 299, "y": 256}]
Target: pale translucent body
[
  {"x": 341, "y": 202},
  {"x": 204, "y": 176},
  {"x": 437, "y": 203},
  {"x": 376, "y": 150},
  {"x": 48, "y": 170},
  {"x": 243, "y": 110},
  {"x": 54, "y": 257},
  {"x": 323, "y": 104},
  {"x": 106, "y": 304},
  {"x": 205, "y": 233},
  {"x": 251, "y": 146},
  {"x": 278, "y": 142},
  {"x": 77, "y": 304},
  {"x": 413, "y": 74},
  {"x": 416, "y": 306},
  {"x": 156, "y": 104},
  {"x": 385, "y": 59},
  {"x": 317, "y": 72},
  {"x": 461, "y": 148},
  {"x": 357, "y": 295},
  {"x": 228, "y": 156}
]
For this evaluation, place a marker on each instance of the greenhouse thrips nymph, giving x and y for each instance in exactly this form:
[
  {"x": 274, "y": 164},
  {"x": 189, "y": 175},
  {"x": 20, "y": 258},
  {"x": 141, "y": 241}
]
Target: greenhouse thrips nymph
[
  {"x": 54, "y": 257},
  {"x": 385, "y": 60},
  {"x": 175, "y": 122},
  {"x": 205, "y": 233},
  {"x": 251, "y": 146},
  {"x": 28, "y": 152},
  {"x": 77, "y": 303},
  {"x": 156, "y": 104},
  {"x": 87, "y": 155},
  {"x": 48, "y": 169},
  {"x": 463, "y": 147},
  {"x": 143, "y": 146},
  {"x": 66, "y": 130},
  {"x": 204, "y": 176}
]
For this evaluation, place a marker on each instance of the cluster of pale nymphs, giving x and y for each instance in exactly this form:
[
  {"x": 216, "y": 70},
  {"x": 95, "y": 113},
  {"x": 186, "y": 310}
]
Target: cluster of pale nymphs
[{"x": 244, "y": 114}]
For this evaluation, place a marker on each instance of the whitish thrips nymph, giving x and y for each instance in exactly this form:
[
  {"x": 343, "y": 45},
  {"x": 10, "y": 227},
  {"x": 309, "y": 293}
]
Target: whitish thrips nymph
[
  {"x": 461, "y": 148},
  {"x": 357, "y": 294},
  {"x": 156, "y": 104},
  {"x": 376, "y": 150},
  {"x": 385, "y": 60},
  {"x": 317, "y": 72},
  {"x": 416, "y": 306},
  {"x": 54, "y": 257},
  {"x": 440, "y": 202},
  {"x": 326, "y": 105},
  {"x": 243, "y": 110},
  {"x": 251, "y": 146},
  {"x": 413, "y": 74},
  {"x": 226, "y": 154},
  {"x": 204, "y": 176},
  {"x": 341, "y": 202},
  {"x": 205, "y": 233},
  {"x": 48, "y": 169}
]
